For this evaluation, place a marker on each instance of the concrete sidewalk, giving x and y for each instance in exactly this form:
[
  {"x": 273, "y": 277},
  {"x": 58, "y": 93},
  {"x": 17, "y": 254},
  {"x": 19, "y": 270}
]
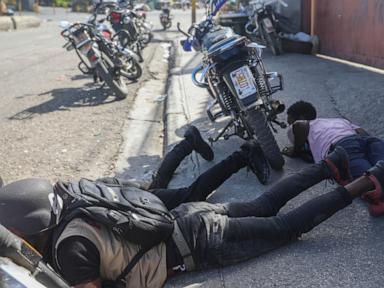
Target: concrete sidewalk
[
  {"x": 346, "y": 250},
  {"x": 8, "y": 23}
]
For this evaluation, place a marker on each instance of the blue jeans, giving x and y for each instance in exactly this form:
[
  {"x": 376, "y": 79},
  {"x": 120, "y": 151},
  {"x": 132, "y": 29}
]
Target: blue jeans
[
  {"x": 223, "y": 234},
  {"x": 363, "y": 151}
]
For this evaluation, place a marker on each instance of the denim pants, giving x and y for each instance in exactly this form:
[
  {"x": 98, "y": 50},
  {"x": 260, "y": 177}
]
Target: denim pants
[
  {"x": 204, "y": 185},
  {"x": 222, "y": 234},
  {"x": 363, "y": 151}
]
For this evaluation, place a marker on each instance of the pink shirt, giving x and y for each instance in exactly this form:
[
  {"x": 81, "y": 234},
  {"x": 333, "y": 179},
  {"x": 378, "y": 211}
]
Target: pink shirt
[{"x": 323, "y": 132}]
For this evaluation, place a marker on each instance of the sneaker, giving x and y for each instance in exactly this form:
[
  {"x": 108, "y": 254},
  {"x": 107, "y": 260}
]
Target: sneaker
[
  {"x": 376, "y": 197},
  {"x": 193, "y": 136},
  {"x": 338, "y": 163},
  {"x": 256, "y": 161}
]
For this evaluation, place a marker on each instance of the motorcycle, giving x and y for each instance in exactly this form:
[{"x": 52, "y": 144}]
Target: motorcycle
[
  {"x": 97, "y": 56},
  {"x": 22, "y": 266},
  {"x": 233, "y": 72},
  {"x": 263, "y": 24},
  {"x": 124, "y": 20},
  {"x": 166, "y": 19},
  {"x": 131, "y": 68}
]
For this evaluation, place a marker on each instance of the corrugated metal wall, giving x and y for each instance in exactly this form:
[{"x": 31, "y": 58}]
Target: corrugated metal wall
[{"x": 352, "y": 30}]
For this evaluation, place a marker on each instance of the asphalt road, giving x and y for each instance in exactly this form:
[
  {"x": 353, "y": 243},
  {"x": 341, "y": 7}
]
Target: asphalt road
[{"x": 54, "y": 122}]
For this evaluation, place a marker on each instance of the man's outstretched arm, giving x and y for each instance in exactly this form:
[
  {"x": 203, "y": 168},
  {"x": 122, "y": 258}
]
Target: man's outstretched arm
[{"x": 300, "y": 130}]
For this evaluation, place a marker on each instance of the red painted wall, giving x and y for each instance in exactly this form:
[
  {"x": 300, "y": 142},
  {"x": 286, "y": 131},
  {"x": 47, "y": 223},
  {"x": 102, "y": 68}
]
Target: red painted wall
[{"x": 351, "y": 29}]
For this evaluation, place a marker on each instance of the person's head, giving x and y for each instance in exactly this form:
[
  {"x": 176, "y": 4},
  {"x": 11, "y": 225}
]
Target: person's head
[
  {"x": 301, "y": 110},
  {"x": 25, "y": 209}
]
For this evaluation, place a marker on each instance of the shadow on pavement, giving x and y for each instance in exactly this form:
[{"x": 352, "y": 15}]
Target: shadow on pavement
[{"x": 65, "y": 98}]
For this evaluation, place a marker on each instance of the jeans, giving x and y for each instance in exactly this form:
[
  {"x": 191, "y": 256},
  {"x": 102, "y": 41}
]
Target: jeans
[
  {"x": 363, "y": 151},
  {"x": 204, "y": 185},
  {"x": 222, "y": 234}
]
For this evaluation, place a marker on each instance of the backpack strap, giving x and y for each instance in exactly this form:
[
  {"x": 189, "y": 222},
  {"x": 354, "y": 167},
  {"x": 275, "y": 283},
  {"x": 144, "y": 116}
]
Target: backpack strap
[{"x": 128, "y": 268}]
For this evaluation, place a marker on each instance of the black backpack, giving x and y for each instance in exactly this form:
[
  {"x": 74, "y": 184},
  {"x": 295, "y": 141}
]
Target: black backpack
[{"x": 133, "y": 214}]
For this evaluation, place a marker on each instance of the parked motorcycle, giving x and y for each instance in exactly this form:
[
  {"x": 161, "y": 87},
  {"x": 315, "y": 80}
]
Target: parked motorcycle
[
  {"x": 97, "y": 55},
  {"x": 122, "y": 19},
  {"x": 131, "y": 68},
  {"x": 166, "y": 18},
  {"x": 263, "y": 24},
  {"x": 233, "y": 72}
]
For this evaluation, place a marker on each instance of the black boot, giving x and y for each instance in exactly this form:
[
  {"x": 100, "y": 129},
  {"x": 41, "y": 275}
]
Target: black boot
[
  {"x": 193, "y": 136},
  {"x": 256, "y": 160}
]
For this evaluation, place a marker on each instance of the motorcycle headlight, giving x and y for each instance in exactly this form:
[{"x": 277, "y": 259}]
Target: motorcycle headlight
[{"x": 126, "y": 20}]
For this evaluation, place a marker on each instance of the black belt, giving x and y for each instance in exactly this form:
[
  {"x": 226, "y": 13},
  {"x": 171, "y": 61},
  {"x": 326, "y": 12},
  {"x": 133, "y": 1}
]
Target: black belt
[{"x": 182, "y": 246}]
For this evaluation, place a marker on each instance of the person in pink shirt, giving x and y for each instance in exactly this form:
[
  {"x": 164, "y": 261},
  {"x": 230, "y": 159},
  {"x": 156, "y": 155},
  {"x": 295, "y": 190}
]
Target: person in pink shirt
[{"x": 314, "y": 138}]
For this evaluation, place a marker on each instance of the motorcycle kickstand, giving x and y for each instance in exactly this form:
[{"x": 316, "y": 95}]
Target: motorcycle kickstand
[{"x": 229, "y": 124}]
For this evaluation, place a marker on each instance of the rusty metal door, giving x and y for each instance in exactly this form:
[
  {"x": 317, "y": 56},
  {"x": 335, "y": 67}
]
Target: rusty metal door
[{"x": 352, "y": 30}]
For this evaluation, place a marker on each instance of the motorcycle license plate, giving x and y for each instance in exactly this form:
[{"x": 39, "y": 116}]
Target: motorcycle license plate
[
  {"x": 243, "y": 81},
  {"x": 268, "y": 24}
]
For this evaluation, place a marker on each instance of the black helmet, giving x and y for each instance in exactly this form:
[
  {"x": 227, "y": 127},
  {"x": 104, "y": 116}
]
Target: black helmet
[{"x": 25, "y": 207}]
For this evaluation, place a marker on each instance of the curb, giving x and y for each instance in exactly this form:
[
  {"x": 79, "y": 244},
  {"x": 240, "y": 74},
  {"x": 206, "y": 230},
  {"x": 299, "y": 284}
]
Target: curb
[
  {"x": 6, "y": 23},
  {"x": 175, "y": 114},
  {"x": 139, "y": 149},
  {"x": 18, "y": 22}
]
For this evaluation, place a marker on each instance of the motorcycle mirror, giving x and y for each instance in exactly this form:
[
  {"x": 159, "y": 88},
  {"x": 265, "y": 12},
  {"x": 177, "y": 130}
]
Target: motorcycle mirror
[{"x": 64, "y": 24}]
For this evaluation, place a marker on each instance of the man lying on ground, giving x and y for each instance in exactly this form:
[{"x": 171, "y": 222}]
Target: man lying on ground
[
  {"x": 210, "y": 235},
  {"x": 316, "y": 137}
]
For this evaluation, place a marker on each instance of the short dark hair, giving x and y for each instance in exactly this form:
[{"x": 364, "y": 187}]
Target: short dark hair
[{"x": 302, "y": 110}]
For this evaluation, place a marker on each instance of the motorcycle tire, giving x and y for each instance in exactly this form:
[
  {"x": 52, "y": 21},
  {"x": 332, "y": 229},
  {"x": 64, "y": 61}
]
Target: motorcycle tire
[
  {"x": 134, "y": 72},
  {"x": 146, "y": 38},
  {"x": 117, "y": 85},
  {"x": 137, "y": 50},
  {"x": 274, "y": 42},
  {"x": 169, "y": 24},
  {"x": 257, "y": 121}
]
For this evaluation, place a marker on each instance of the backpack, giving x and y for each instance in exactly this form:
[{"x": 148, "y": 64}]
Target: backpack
[{"x": 135, "y": 215}]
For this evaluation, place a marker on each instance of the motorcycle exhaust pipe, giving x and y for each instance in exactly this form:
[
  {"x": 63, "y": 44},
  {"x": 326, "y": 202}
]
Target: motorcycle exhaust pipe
[{"x": 278, "y": 106}]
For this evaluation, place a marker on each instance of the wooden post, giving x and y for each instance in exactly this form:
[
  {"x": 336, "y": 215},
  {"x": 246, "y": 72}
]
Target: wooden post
[
  {"x": 19, "y": 6},
  {"x": 313, "y": 17},
  {"x": 193, "y": 6}
]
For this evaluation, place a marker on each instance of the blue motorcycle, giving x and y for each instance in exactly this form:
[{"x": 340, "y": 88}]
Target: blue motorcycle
[{"x": 233, "y": 72}]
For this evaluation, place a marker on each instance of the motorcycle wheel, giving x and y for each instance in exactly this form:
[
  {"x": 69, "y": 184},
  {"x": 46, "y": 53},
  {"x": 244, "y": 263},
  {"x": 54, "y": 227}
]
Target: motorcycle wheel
[
  {"x": 169, "y": 24},
  {"x": 137, "y": 50},
  {"x": 257, "y": 121},
  {"x": 274, "y": 42},
  {"x": 117, "y": 85},
  {"x": 146, "y": 38},
  {"x": 134, "y": 72}
]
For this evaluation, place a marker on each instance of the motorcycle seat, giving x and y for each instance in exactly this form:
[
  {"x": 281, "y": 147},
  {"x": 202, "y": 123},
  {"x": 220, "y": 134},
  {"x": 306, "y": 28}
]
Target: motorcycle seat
[
  {"x": 224, "y": 44},
  {"x": 216, "y": 36}
]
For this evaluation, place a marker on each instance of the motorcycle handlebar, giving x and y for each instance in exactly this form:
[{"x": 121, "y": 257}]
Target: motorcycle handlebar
[{"x": 181, "y": 31}]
